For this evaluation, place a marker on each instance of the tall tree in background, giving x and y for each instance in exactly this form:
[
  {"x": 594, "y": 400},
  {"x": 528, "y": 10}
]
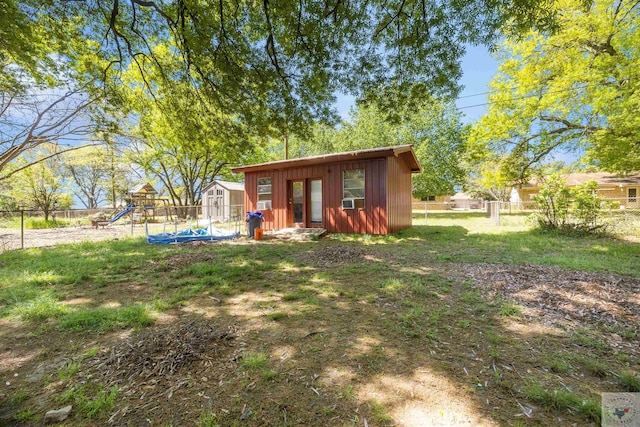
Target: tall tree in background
[
  {"x": 41, "y": 186},
  {"x": 98, "y": 175},
  {"x": 575, "y": 90},
  {"x": 179, "y": 137},
  {"x": 433, "y": 128}
]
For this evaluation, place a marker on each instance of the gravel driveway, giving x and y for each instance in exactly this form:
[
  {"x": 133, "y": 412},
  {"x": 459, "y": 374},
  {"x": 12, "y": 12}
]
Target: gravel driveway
[{"x": 10, "y": 238}]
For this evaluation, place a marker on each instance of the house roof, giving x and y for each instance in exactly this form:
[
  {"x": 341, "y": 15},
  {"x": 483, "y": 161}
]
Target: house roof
[
  {"x": 404, "y": 151},
  {"x": 228, "y": 185},
  {"x": 461, "y": 197},
  {"x": 602, "y": 178}
]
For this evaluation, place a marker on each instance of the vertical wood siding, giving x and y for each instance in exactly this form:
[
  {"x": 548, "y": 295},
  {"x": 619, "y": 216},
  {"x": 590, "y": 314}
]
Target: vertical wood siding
[
  {"x": 399, "y": 195},
  {"x": 387, "y": 181}
]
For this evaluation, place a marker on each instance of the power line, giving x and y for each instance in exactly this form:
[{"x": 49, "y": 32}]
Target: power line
[{"x": 571, "y": 89}]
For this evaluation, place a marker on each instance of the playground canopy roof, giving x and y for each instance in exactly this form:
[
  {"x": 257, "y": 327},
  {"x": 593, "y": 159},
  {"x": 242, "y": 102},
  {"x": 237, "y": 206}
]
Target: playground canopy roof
[{"x": 143, "y": 189}]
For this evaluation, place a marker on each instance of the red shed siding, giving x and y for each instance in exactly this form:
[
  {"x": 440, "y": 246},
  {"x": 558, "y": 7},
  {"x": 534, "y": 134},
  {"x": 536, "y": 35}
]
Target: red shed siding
[
  {"x": 387, "y": 195},
  {"x": 398, "y": 198}
]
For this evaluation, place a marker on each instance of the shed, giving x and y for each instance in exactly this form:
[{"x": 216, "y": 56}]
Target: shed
[
  {"x": 222, "y": 201},
  {"x": 364, "y": 191}
]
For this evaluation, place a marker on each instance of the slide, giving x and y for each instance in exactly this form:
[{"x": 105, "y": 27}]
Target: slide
[{"x": 122, "y": 213}]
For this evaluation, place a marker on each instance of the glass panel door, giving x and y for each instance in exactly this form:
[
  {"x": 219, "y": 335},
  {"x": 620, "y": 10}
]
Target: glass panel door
[
  {"x": 315, "y": 190},
  {"x": 297, "y": 202}
]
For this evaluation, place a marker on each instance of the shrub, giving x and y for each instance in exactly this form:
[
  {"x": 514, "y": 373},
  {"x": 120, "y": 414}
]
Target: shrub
[{"x": 577, "y": 209}]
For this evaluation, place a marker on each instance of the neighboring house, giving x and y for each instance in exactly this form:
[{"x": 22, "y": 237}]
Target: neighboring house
[
  {"x": 624, "y": 189},
  {"x": 462, "y": 201},
  {"x": 222, "y": 201},
  {"x": 365, "y": 191}
]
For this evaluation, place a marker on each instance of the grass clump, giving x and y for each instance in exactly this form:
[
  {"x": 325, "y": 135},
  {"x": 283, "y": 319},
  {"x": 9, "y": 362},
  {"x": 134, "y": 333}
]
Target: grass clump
[
  {"x": 99, "y": 406},
  {"x": 208, "y": 419},
  {"x": 41, "y": 308},
  {"x": 26, "y": 415},
  {"x": 107, "y": 319},
  {"x": 630, "y": 381},
  {"x": 276, "y": 316},
  {"x": 510, "y": 310},
  {"x": 562, "y": 399},
  {"x": 254, "y": 361}
]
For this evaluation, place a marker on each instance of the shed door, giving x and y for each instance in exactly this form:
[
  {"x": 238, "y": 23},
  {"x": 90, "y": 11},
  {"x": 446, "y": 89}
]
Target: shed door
[
  {"x": 305, "y": 203},
  {"x": 315, "y": 202},
  {"x": 296, "y": 203}
]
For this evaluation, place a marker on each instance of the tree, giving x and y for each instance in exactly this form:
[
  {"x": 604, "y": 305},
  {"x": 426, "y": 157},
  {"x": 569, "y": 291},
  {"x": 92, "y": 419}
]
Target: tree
[
  {"x": 433, "y": 128},
  {"x": 571, "y": 91},
  {"x": 278, "y": 64},
  {"x": 42, "y": 185},
  {"x": 181, "y": 139},
  {"x": 97, "y": 175},
  {"x": 49, "y": 84},
  {"x": 31, "y": 121}
]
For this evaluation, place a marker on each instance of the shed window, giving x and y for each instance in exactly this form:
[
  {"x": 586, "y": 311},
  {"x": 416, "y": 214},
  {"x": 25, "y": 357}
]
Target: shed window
[
  {"x": 264, "y": 193},
  {"x": 353, "y": 189},
  {"x": 633, "y": 194}
]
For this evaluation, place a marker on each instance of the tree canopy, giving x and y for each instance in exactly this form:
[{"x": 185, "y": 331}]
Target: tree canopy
[
  {"x": 434, "y": 129},
  {"x": 576, "y": 90},
  {"x": 282, "y": 62}
]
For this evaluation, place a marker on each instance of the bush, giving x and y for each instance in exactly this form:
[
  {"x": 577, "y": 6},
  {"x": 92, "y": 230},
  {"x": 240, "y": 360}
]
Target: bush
[{"x": 578, "y": 209}]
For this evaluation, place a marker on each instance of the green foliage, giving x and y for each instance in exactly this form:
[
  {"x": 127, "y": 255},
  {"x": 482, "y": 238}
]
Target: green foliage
[
  {"x": 40, "y": 186},
  {"x": 97, "y": 407},
  {"x": 575, "y": 89},
  {"x": 569, "y": 209},
  {"x": 433, "y": 127},
  {"x": 207, "y": 419},
  {"x": 277, "y": 316}
]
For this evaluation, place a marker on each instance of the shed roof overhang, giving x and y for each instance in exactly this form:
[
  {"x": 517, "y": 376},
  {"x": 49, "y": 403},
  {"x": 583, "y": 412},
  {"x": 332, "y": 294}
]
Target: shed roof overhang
[{"x": 403, "y": 151}]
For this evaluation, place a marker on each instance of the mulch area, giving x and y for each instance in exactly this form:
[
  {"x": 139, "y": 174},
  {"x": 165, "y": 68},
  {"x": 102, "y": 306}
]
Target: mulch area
[{"x": 555, "y": 296}]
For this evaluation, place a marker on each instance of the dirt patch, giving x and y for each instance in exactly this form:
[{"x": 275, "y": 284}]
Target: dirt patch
[
  {"x": 563, "y": 297},
  {"x": 153, "y": 366},
  {"x": 327, "y": 256}
]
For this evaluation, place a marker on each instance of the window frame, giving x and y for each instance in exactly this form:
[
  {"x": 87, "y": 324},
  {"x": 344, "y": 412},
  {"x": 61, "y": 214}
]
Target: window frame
[
  {"x": 267, "y": 201},
  {"x": 356, "y": 202}
]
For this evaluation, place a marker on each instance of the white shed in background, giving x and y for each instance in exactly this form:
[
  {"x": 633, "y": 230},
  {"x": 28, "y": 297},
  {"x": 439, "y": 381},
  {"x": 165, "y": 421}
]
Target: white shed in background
[{"x": 222, "y": 201}]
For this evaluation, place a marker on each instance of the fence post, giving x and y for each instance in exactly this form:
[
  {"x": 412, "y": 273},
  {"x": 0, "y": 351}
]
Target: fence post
[{"x": 21, "y": 228}]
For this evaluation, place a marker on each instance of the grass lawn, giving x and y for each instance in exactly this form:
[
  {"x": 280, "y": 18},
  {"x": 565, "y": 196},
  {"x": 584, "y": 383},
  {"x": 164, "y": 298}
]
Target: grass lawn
[{"x": 451, "y": 322}]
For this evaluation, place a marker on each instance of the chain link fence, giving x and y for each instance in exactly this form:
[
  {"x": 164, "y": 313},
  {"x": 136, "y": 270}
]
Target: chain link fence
[
  {"x": 622, "y": 216},
  {"x": 27, "y": 228}
]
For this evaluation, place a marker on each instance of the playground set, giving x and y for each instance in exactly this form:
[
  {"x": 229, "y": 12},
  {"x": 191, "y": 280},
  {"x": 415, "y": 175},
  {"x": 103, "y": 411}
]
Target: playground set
[{"x": 141, "y": 206}]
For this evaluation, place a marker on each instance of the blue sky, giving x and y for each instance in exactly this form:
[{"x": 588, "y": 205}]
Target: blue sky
[{"x": 478, "y": 68}]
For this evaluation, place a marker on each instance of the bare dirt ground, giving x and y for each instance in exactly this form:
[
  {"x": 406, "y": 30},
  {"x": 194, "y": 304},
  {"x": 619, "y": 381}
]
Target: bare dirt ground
[{"x": 11, "y": 239}]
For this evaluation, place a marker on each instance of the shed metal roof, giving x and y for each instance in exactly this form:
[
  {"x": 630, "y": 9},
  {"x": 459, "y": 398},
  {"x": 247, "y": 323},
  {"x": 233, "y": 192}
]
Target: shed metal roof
[
  {"x": 404, "y": 151},
  {"x": 228, "y": 185}
]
